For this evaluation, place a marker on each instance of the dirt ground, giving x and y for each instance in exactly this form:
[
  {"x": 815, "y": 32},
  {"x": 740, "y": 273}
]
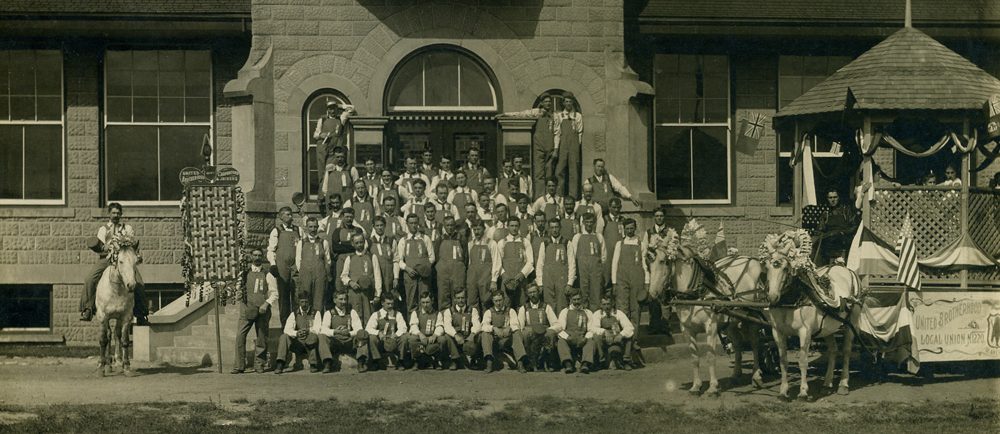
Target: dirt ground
[{"x": 44, "y": 381}]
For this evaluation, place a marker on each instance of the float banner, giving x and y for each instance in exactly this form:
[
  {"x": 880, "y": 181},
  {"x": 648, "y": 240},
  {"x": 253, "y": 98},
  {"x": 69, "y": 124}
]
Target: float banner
[{"x": 957, "y": 325}]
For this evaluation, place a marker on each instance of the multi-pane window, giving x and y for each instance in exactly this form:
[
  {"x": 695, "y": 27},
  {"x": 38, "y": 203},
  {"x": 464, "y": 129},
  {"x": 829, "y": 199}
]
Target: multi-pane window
[
  {"x": 158, "y": 109},
  {"x": 25, "y": 307},
  {"x": 692, "y": 151},
  {"x": 441, "y": 80},
  {"x": 315, "y": 110},
  {"x": 31, "y": 127},
  {"x": 796, "y": 75}
]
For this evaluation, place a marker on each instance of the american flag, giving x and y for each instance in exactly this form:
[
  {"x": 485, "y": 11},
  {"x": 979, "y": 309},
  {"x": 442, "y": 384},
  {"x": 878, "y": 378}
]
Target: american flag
[{"x": 908, "y": 273}]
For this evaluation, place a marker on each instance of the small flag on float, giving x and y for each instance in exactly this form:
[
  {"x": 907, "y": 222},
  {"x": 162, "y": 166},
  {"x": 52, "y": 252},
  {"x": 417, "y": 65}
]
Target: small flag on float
[
  {"x": 751, "y": 130},
  {"x": 719, "y": 248},
  {"x": 993, "y": 117},
  {"x": 908, "y": 273}
]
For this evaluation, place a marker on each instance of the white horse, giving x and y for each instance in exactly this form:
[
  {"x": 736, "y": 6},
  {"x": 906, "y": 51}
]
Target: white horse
[
  {"x": 114, "y": 300},
  {"x": 784, "y": 256},
  {"x": 677, "y": 258}
]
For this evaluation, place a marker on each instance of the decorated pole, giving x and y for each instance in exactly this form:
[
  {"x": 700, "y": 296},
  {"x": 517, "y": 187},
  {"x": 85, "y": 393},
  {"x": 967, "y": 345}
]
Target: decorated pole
[{"x": 213, "y": 216}]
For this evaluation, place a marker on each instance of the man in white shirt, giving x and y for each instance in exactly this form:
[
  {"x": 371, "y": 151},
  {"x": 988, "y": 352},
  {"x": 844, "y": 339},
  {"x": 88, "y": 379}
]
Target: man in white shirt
[
  {"x": 406, "y": 181},
  {"x": 538, "y": 322},
  {"x": 586, "y": 204},
  {"x": 501, "y": 331},
  {"x": 414, "y": 256},
  {"x": 386, "y": 331},
  {"x": 444, "y": 175},
  {"x": 461, "y": 325},
  {"x": 427, "y": 339},
  {"x": 105, "y": 234},
  {"x": 630, "y": 272},
  {"x": 516, "y": 262},
  {"x": 488, "y": 197},
  {"x": 550, "y": 203},
  {"x": 260, "y": 295},
  {"x": 301, "y": 335},
  {"x": 361, "y": 274},
  {"x": 612, "y": 332},
  {"x": 587, "y": 256},
  {"x": 342, "y": 333},
  {"x": 281, "y": 244},
  {"x": 652, "y": 238},
  {"x": 312, "y": 261},
  {"x": 575, "y": 336},
  {"x": 607, "y": 186}
]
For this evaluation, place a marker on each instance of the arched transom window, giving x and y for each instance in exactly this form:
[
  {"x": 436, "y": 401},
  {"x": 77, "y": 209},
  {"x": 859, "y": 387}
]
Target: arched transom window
[{"x": 441, "y": 79}]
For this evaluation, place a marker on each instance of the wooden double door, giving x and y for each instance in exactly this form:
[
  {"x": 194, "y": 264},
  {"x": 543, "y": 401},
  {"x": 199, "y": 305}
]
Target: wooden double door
[{"x": 444, "y": 137}]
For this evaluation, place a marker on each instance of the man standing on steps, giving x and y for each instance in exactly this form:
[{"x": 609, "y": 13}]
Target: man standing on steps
[
  {"x": 361, "y": 274},
  {"x": 542, "y": 140},
  {"x": 606, "y": 186},
  {"x": 629, "y": 272},
  {"x": 104, "y": 235},
  {"x": 261, "y": 294},
  {"x": 312, "y": 261},
  {"x": 414, "y": 256},
  {"x": 281, "y": 253},
  {"x": 585, "y": 252}
]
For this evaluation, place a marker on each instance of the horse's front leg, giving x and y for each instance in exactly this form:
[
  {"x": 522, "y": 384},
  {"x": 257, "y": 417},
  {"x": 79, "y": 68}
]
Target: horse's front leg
[
  {"x": 757, "y": 376},
  {"x": 104, "y": 340},
  {"x": 779, "y": 341},
  {"x": 845, "y": 367},
  {"x": 714, "y": 349},
  {"x": 126, "y": 347},
  {"x": 805, "y": 340},
  {"x": 119, "y": 346},
  {"x": 693, "y": 346},
  {"x": 831, "y": 361}
]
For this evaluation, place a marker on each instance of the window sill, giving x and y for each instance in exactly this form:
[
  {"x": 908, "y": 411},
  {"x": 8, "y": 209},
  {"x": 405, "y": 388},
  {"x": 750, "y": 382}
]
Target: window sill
[
  {"x": 37, "y": 211},
  {"x": 140, "y": 212},
  {"x": 781, "y": 211}
]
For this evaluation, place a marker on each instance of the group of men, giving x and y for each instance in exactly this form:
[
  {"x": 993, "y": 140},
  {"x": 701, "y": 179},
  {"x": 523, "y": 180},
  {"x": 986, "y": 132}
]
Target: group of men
[{"x": 441, "y": 267}]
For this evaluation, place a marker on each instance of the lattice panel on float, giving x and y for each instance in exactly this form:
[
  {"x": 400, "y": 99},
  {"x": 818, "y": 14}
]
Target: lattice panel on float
[
  {"x": 214, "y": 220},
  {"x": 934, "y": 213},
  {"x": 984, "y": 228}
]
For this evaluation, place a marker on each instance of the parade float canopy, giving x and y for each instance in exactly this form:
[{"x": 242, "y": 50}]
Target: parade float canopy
[{"x": 907, "y": 71}]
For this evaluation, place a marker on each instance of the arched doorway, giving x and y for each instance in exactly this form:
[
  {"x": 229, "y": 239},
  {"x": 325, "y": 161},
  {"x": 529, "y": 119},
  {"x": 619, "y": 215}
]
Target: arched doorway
[{"x": 442, "y": 98}]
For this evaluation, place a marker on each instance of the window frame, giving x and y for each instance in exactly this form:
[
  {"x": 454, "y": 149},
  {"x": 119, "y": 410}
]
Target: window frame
[
  {"x": 105, "y": 176},
  {"x": 421, "y": 55},
  {"x": 307, "y": 132},
  {"x": 62, "y": 134},
  {"x": 51, "y": 326},
  {"x": 729, "y": 140}
]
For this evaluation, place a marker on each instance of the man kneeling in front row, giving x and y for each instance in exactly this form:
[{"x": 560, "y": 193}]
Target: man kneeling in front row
[
  {"x": 342, "y": 333},
  {"x": 302, "y": 336},
  {"x": 575, "y": 335},
  {"x": 612, "y": 335}
]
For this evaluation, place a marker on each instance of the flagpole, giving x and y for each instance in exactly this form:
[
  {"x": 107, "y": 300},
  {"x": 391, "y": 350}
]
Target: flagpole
[{"x": 964, "y": 204}]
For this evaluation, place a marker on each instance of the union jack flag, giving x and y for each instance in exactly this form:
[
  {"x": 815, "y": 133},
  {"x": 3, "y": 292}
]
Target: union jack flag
[
  {"x": 751, "y": 130},
  {"x": 908, "y": 273},
  {"x": 993, "y": 118}
]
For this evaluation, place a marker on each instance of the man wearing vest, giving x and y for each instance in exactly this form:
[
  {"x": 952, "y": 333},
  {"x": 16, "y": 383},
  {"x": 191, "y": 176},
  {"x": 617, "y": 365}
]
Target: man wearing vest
[
  {"x": 444, "y": 175},
  {"x": 538, "y": 231},
  {"x": 361, "y": 274},
  {"x": 414, "y": 256},
  {"x": 461, "y": 325},
  {"x": 544, "y": 155},
  {"x": 334, "y": 206},
  {"x": 444, "y": 208},
  {"x": 489, "y": 198},
  {"x": 516, "y": 262},
  {"x": 339, "y": 240},
  {"x": 385, "y": 187},
  {"x": 395, "y": 224},
  {"x": 606, "y": 186},
  {"x": 550, "y": 203},
  {"x": 586, "y": 205},
  {"x": 484, "y": 267},
  {"x": 386, "y": 330},
  {"x": 475, "y": 173},
  {"x": 371, "y": 173},
  {"x": 587, "y": 257},
  {"x": 538, "y": 321},
  {"x": 301, "y": 335},
  {"x": 342, "y": 333},
  {"x": 629, "y": 272},
  {"x": 384, "y": 248},
  {"x": 461, "y": 195},
  {"x": 281, "y": 253},
  {"x": 426, "y": 341},
  {"x": 573, "y": 326},
  {"x": 363, "y": 204},
  {"x": 652, "y": 237},
  {"x": 503, "y": 177},
  {"x": 260, "y": 294},
  {"x": 312, "y": 261},
  {"x": 339, "y": 177},
  {"x": 470, "y": 216},
  {"x": 427, "y": 164},
  {"x": 502, "y": 332},
  {"x": 406, "y": 181},
  {"x": 523, "y": 179},
  {"x": 452, "y": 259},
  {"x": 552, "y": 268},
  {"x": 498, "y": 226},
  {"x": 614, "y": 231},
  {"x": 418, "y": 198},
  {"x": 522, "y": 210},
  {"x": 612, "y": 333},
  {"x": 571, "y": 222},
  {"x": 105, "y": 233},
  {"x": 331, "y": 132}
]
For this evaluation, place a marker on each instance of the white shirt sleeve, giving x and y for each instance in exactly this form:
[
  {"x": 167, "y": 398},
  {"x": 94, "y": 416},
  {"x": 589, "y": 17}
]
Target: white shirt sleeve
[
  {"x": 487, "y": 324},
  {"x": 272, "y": 246},
  {"x": 614, "y": 263},
  {"x": 540, "y": 264}
]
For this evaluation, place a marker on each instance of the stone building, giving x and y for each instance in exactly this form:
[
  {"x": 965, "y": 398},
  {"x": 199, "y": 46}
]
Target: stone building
[{"x": 663, "y": 87}]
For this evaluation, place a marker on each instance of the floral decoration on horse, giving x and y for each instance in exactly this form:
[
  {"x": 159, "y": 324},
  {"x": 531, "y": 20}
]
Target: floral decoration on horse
[
  {"x": 118, "y": 242},
  {"x": 694, "y": 237},
  {"x": 669, "y": 243},
  {"x": 795, "y": 245}
]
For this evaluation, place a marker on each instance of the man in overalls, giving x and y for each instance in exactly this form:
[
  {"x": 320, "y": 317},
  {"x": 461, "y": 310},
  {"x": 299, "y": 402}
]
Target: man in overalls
[
  {"x": 629, "y": 272},
  {"x": 498, "y": 227},
  {"x": 386, "y": 329},
  {"x": 312, "y": 261},
  {"x": 474, "y": 172},
  {"x": 484, "y": 267},
  {"x": 574, "y": 334},
  {"x": 385, "y": 187},
  {"x": 341, "y": 332},
  {"x": 334, "y": 206},
  {"x": 552, "y": 268},
  {"x": 470, "y": 216},
  {"x": 331, "y": 134},
  {"x": 339, "y": 177},
  {"x": 516, "y": 262},
  {"x": 614, "y": 231},
  {"x": 418, "y": 198},
  {"x": 444, "y": 208},
  {"x": 406, "y": 181},
  {"x": 395, "y": 224},
  {"x": 363, "y": 204},
  {"x": 281, "y": 246},
  {"x": 587, "y": 257},
  {"x": 606, "y": 186},
  {"x": 461, "y": 325},
  {"x": 488, "y": 197},
  {"x": 301, "y": 335},
  {"x": 612, "y": 333},
  {"x": 538, "y": 321},
  {"x": 426, "y": 341},
  {"x": 361, "y": 274},
  {"x": 522, "y": 210},
  {"x": 538, "y": 231},
  {"x": 461, "y": 195},
  {"x": 414, "y": 256},
  {"x": 586, "y": 205},
  {"x": 384, "y": 249},
  {"x": 444, "y": 175},
  {"x": 568, "y": 144},
  {"x": 550, "y": 204},
  {"x": 571, "y": 222},
  {"x": 260, "y": 295},
  {"x": 339, "y": 239},
  {"x": 501, "y": 332},
  {"x": 452, "y": 257}
]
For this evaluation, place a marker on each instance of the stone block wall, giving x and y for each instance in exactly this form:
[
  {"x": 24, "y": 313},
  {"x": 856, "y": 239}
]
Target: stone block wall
[{"x": 47, "y": 244}]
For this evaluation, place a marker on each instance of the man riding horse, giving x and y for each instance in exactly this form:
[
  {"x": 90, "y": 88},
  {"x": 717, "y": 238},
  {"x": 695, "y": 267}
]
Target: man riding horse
[{"x": 99, "y": 245}]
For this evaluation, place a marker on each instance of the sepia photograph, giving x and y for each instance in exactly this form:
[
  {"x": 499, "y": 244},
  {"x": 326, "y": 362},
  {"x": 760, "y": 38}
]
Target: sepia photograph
[{"x": 500, "y": 216}]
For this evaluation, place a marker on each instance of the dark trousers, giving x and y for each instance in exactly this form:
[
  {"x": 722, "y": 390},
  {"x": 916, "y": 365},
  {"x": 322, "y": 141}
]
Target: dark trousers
[
  {"x": 260, "y": 326},
  {"x": 450, "y": 277},
  {"x": 286, "y": 291},
  {"x": 468, "y": 347},
  {"x": 310, "y": 345},
  {"x": 576, "y": 344},
  {"x": 495, "y": 345},
  {"x": 541, "y": 169},
  {"x": 361, "y": 302},
  {"x": 413, "y": 287},
  {"x": 430, "y": 346},
  {"x": 539, "y": 345},
  {"x": 388, "y": 346},
  {"x": 609, "y": 349},
  {"x": 88, "y": 297},
  {"x": 314, "y": 282},
  {"x": 356, "y": 345}
]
